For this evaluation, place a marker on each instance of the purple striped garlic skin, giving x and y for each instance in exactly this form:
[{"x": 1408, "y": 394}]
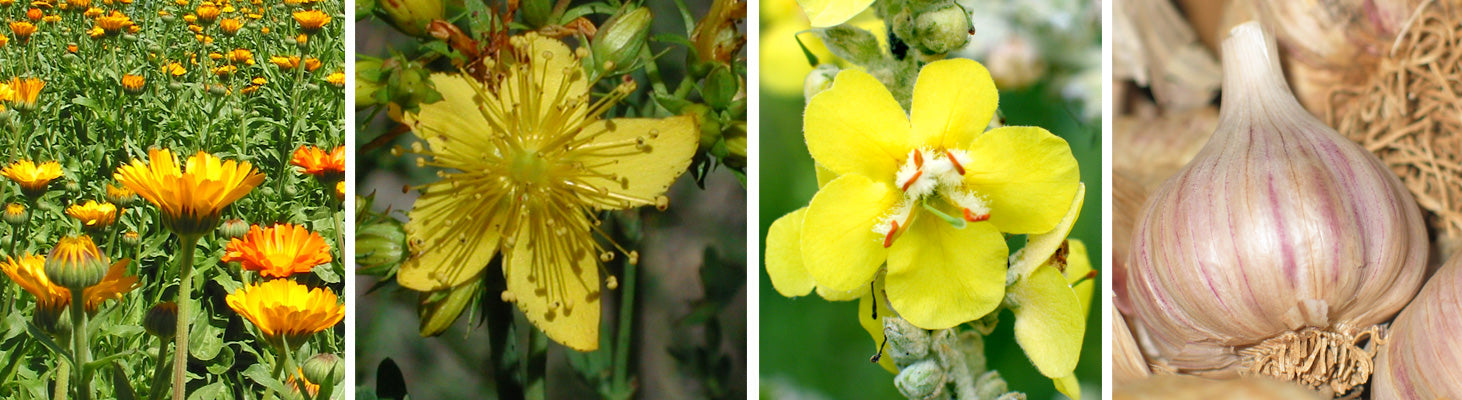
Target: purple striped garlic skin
[
  {"x": 1424, "y": 352},
  {"x": 1278, "y": 225}
]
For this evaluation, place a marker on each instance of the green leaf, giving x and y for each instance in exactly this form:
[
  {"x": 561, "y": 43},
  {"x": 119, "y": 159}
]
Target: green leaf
[
  {"x": 214, "y": 391},
  {"x": 260, "y": 374},
  {"x": 205, "y": 340},
  {"x": 45, "y": 340},
  {"x": 122, "y": 387}
]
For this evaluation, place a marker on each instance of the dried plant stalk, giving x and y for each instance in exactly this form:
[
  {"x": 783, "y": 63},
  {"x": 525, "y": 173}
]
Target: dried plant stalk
[{"x": 1410, "y": 112}]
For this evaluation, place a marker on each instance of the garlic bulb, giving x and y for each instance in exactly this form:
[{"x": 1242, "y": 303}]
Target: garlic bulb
[
  {"x": 1423, "y": 352},
  {"x": 1279, "y": 248},
  {"x": 1128, "y": 365}
]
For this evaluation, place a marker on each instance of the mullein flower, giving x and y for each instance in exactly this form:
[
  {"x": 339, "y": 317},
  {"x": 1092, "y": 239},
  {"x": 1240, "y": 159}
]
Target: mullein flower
[
  {"x": 526, "y": 161},
  {"x": 278, "y": 251},
  {"x": 929, "y": 193}
]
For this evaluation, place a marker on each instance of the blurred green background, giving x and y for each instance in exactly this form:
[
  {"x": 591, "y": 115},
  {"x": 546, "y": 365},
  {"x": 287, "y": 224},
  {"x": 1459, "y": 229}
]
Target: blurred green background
[{"x": 812, "y": 348}]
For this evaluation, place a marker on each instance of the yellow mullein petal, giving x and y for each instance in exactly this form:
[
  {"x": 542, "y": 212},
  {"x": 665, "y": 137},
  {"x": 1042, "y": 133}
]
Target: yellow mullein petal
[
  {"x": 1069, "y": 386},
  {"x": 824, "y": 175},
  {"x": 953, "y": 102},
  {"x": 841, "y": 295},
  {"x": 561, "y": 301},
  {"x": 874, "y": 326},
  {"x": 784, "y": 256},
  {"x": 825, "y": 13},
  {"x": 839, "y": 248},
  {"x": 940, "y": 276},
  {"x": 446, "y": 258},
  {"x": 1027, "y": 174},
  {"x": 1040, "y": 247},
  {"x": 648, "y": 169},
  {"x": 456, "y": 117},
  {"x": 1078, "y": 265},
  {"x": 784, "y": 67},
  {"x": 857, "y": 127},
  {"x": 1049, "y": 324}
]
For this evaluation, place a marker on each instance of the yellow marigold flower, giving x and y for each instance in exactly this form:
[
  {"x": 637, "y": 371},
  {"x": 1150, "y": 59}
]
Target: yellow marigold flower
[
  {"x": 225, "y": 71},
  {"x": 93, "y": 12},
  {"x": 93, "y": 215},
  {"x": 6, "y": 94},
  {"x": 4, "y": 40},
  {"x": 191, "y": 197},
  {"x": 27, "y": 91},
  {"x": 287, "y": 312},
  {"x": 190, "y": 18},
  {"x": 311, "y": 21},
  {"x": 254, "y": 15},
  {"x": 79, "y": 4},
  {"x": 328, "y": 167},
  {"x": 15, "y": 214},
  {"x": 114, "y": 23},
  {"x": 204, "y": 39},
  {"x": 29, "y": 271},
  {"x": 230, "y": 25},
  {"x": 241, "y": 56},
  {"x": 6, "y": 3},
  {"x": 133, "y": 84},
  {"x": 540, "y": 151},
  {"x": 207, "y": 12},
  {"x": 133, "y": 29},
  {"x": 264, "y": 30},
  {"x": 340, "y": 191},
  {"x": 227, "y": 8},
  {"x": 259, "y": 81},
  {"x": 337, "y": 79},
  {"x": 174, "y": 69},
  {"x": 51, "y": 19},
  {"x": 22, "y": 30},
  {"x": 292, "y": 62},
  {"x": 32, "y": 178},
  {"x": 121, "y": 196},
  {"x": 278, "y": 251},
  {"x": 181, "y": 3},
  {"x": 302, "y": 39},
  {"x": 926, "y": 193},
  {"x": 96, "y": 32},
  {"x": 163, "y": 13}
]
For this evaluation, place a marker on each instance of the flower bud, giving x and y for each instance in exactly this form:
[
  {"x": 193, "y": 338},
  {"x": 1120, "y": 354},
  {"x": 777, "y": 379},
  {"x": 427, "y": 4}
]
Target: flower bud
[
  {"x": 722, "y": 87},
  {"x": 233, "y": 228},
  {"x": 161, "y": 320},
  {"x": 368, "y": 76},
  {"x": 923, "y": 380},
  {"x": 411, "y": 16},
  {"x": 537, "y": 13},
  {"x": 907, "y": 343},
  {"x": 820, "y": 79},
  {"x": 16, "y": 214},
  {"x": 132, "y": 238},
  {"x": 616, "y": 49},
  {"x": 76, "y": 263},
  {"x": 935, "y": 31},
  {"x": 380, "y": 244},
  {"x": 324, "y": 369}
]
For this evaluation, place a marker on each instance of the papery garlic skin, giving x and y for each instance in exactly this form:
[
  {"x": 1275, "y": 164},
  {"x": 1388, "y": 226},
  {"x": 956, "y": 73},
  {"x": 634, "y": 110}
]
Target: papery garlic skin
[
  {"x": 1278, "y": 225},
  {"x": 1422, "y": 357}
]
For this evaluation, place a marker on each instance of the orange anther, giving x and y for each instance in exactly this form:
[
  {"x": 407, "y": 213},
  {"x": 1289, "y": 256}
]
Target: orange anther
[
  {"x": 972, "y": 217},
  {"x": 955, "y": 161},
  {"x": 892, "y": 233}
]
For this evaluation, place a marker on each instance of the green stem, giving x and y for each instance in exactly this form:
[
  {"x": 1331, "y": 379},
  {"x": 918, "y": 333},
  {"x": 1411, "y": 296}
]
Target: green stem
[
  {"x": 63, "y": 376},
  {"x": 536, "y": 366},
  {"x": 185, "y": 311},
  {"x": 626, "y": 324},
  {"x": 160, "y": 371},
  {"x": 278, "y": 372},
  {"x": 80, "y": 351}
]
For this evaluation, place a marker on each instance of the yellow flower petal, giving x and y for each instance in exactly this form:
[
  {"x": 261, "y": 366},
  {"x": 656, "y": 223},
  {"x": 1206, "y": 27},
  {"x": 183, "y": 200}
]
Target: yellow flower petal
[
  {"x": 784, "y": 256},
  {"x": 446, "y": 258},
  {"x": 1069, "y": 386},
  {"x": 669, "y": 144},
  {"x": 857, "y": 127},
  {"x": 939, "y": 276},
  {"x": 1027, "y": 174},
  {"x": 1048, "y": 322},
  {"x": 1039, "y": 248},
  {"x": 561, "y": 300},
  {"x": 953, "y": 102},
  {"x": 839, "y": 247},
  {"x": 842, "y": 295},
  {"x": 874, "y": 326},
  {"x": 784, "y": 67},
  {"x": 455, "y": 118},
  {"x": 1077, "y": 266},
  {"x": 825, "y": 13}
]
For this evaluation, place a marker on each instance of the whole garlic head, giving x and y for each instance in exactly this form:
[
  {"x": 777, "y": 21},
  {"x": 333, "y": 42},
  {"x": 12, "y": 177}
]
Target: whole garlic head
[
  {"x": 1280, "y": 235},
  {"x": 1420, "y": 359}
]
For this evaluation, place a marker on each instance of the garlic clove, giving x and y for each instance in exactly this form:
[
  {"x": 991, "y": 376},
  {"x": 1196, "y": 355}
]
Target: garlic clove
[
  {"x": 1420, "y": 358},
  {"x": 1279, "y": 233},
  {"x": 1128, "y": 365}
]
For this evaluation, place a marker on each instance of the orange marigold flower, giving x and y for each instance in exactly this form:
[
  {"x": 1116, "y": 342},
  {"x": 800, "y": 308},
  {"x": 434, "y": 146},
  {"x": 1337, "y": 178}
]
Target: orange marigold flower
[
  {"x": 207, "y": 12},
  {"x": 278, "y": 251},
  {"x": 94, "y": 215},
  {"x": 174, "y": 69},
  {"x": 324, "y": 166},
  {"x": 311, "y": 21},
  {"x": 286, "y": 312},
  {"x": 191, "y": 197},
  {"x": 230, "y": 25},
  {"x": 71, "y": 48},
  {"x": 33, "y": 178},
  {"x": 22, "y": 29},
  {"x": 29, "y": 271},
  {"x": 337, "y": 79},
  {"x": 27, "y": 91},
  {"x": 225, "y": 71},
  {"x": 34, "y": 14},
  {"x": 114, "y": 23},
  {"x": 133, "y": 84},
  {"x": 93, "y": 12},
  {"x": 241, "y": 56},
  {"x": 51, "y": 19}
]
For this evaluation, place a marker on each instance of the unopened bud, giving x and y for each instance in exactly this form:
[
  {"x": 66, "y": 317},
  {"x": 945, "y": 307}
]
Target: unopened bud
[
  {"x": 161, "y": 320},
  {"x": 923, "y": 380},
  {"x": 616, "y": 49},
  {"x": 76, "y": 263},
  {"x": 411, "y": 16},
  {"x": 324, "y": 369}
]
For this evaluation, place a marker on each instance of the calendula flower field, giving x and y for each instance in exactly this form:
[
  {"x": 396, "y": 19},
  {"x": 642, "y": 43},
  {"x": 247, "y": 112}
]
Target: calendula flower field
[{"x": 173, "y": 199}]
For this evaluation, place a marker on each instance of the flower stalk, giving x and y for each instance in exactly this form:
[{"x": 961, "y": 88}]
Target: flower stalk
[
  {"x": 185, "y": 312},
  {"x": 80, "y": 351}
]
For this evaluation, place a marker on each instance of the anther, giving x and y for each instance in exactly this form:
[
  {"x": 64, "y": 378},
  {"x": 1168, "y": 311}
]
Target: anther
[
  {"x": 612, "y": 283},
  {"x": 662, "y": 203},
  {"x": 634, "y": 257},
  {"x": 892, "y": 234},
  {"x": 606, "y": 256},
  {"x": 972, "y": 217},
  {"x": 916, "y": 176},
  {"x": 954, "y": 161}
]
